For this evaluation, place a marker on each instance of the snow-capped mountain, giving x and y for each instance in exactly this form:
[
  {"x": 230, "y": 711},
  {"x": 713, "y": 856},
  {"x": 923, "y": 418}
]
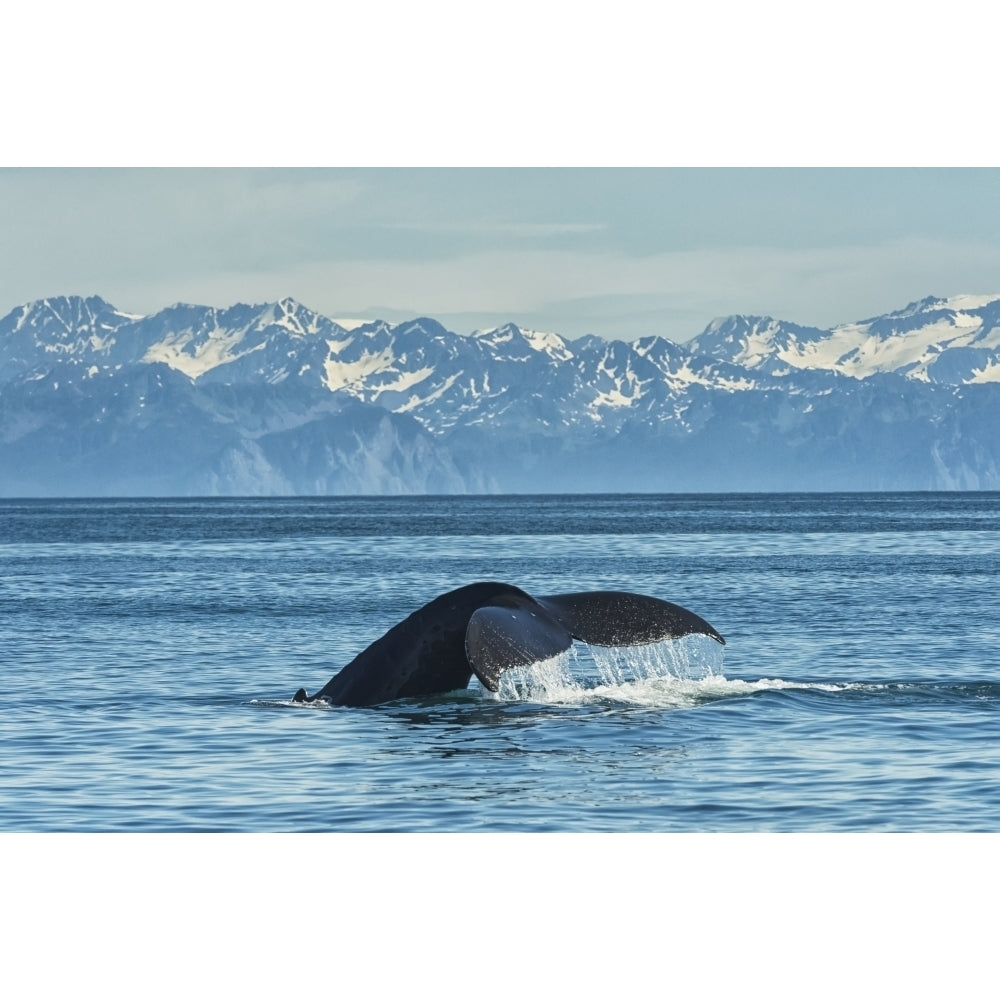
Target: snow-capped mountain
[
  {"x": 54, "y": 330},
  {"x": 276, "y": 398},
  {"x": 952, "y": 341}
]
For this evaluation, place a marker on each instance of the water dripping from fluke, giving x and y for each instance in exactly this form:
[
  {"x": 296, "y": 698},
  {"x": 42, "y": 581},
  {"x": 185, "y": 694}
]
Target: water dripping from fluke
[{"x": 677, "y": 673}]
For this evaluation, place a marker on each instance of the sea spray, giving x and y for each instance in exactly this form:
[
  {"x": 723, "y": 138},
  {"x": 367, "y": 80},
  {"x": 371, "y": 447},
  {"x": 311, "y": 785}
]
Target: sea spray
[{"x": 670, "y": 673}]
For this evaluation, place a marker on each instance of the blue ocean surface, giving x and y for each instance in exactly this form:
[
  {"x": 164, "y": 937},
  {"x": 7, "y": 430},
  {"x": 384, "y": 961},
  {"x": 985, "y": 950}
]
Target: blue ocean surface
[{"x": 151, "y": 648}]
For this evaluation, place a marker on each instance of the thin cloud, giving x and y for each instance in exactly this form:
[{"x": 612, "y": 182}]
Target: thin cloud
[{"x": 617, "y": 253}]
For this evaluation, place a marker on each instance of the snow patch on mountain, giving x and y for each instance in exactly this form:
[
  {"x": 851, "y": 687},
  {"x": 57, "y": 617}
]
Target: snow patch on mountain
[
  {"x": 960, "y": 302},
  {"x": 414, "y": 402},
  {"x": 862, "y": 354},
  {"x": 185, "y": 353},
  {"x": 351, "y": 375},
  {"x": 403, "y": 380},
  {"x": 548, "y": 343},
  {"x": 991, "y": 373}
]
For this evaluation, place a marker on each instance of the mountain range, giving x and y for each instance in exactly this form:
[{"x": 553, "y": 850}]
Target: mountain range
[{"x": 277, "y": 399}]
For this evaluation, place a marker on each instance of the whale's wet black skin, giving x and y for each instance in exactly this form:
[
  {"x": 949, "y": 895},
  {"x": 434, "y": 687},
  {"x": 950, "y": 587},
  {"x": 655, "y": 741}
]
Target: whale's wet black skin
[{"x": 487, "y": 628}]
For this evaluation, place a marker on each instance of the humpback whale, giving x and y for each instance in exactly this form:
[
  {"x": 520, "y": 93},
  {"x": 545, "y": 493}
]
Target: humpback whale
[{"x": 487, "y": 628}]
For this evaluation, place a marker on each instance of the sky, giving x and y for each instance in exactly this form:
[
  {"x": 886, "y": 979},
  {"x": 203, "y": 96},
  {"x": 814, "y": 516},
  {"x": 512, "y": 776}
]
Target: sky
[
  {"x": 556, "y": 167},
  {"x": 616, "y": 252}
]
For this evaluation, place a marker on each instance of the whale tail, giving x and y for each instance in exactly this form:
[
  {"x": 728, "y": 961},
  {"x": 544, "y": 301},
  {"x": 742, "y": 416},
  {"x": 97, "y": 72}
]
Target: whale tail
[
  {"x": 487, "y": 628},
  {"x": 514, "y": 634}
]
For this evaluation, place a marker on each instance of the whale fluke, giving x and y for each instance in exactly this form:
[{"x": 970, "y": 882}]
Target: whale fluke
[
  {"x": 617, "y": 618},
  {"x": 487, "y": 628},
  {"x": 511, "y": 633}
]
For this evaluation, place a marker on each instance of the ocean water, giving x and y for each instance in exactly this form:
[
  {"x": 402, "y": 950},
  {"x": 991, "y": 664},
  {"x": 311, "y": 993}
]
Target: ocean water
[{"x": 150, "y": 649}]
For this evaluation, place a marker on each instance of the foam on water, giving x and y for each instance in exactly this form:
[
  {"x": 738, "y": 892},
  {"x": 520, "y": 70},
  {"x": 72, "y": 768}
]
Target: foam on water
[{"x": 319, "y": 705}]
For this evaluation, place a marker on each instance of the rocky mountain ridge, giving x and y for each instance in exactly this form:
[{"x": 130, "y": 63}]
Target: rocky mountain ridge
[{"x": 276, "y": 398}]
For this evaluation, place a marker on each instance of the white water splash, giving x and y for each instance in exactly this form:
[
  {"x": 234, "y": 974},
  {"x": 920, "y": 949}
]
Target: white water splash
[{"x": 675, "y": 674}]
